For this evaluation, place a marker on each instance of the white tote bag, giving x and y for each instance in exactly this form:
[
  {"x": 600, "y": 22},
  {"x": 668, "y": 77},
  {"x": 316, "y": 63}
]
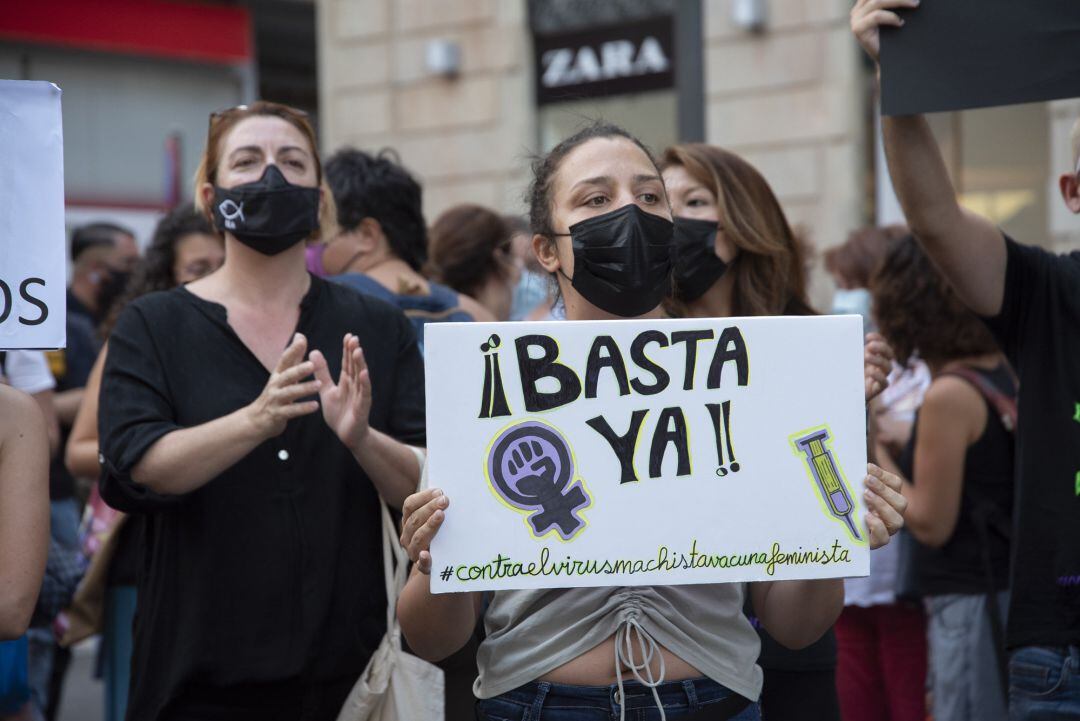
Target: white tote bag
[{"x": 395, "y": 686}]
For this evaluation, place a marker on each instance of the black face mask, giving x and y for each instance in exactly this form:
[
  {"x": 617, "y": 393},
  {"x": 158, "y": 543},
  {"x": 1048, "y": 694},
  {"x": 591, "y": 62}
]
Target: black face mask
[
  {"x": 269, "y": 215},
  {"x": 695, "y": 264},
  {"x": 112, "y": 286},
  {"x": 622, "y": 260}
]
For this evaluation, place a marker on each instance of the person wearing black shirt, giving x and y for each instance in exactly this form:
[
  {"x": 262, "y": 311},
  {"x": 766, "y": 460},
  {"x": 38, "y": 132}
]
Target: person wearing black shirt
[
  {"x": 1031, "y": 300},
  {"x": 260, "y": 592}
]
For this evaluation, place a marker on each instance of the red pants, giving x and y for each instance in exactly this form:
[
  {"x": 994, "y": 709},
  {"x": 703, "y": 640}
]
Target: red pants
[{"x": 881, "y": 663}]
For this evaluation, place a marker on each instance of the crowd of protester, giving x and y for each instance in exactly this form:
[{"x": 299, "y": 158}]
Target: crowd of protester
[{"x": 200, "y": 476}]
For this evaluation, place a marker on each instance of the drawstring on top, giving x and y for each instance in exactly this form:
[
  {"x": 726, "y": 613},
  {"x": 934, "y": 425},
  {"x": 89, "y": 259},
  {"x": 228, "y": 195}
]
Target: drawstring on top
[{"x": 624, "y": 654}]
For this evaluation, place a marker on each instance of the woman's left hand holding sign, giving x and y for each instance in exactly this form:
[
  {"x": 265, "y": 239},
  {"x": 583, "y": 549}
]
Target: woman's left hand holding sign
[
  {"x": 421, "y": 516},
  {"x": 347, "y": 403},
  {"x": 885, "y": 505}
]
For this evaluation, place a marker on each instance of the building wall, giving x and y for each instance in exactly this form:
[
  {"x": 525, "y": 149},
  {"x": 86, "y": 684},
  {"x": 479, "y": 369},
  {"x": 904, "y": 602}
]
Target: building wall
[
  {"x": 790, "y": 101},
  {"x": 467, "y": 138}
]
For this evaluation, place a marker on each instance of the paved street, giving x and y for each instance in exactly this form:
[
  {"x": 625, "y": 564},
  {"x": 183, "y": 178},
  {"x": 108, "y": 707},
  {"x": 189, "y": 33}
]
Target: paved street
[{"x": 83, "y": 694}]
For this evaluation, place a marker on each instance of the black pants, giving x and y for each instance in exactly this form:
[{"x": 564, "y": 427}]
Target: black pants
[
  {"x": 286, "y": 701},
  {"x": 800, "y": 696}
]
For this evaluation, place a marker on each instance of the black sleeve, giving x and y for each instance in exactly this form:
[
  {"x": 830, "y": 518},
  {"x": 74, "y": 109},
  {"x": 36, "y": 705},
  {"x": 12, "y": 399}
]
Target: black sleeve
[
  {"x": 407, "y": 422},
  {"x": 1026, "y": 271},
  {"x": 135, "y": 411}
]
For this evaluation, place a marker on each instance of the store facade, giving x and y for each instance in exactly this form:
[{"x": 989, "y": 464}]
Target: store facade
[{"x": 467, "y": 91}]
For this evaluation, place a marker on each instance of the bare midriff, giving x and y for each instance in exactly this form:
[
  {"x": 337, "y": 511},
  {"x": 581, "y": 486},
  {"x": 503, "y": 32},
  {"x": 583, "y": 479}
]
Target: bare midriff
[{"x": 596, "y": 667}]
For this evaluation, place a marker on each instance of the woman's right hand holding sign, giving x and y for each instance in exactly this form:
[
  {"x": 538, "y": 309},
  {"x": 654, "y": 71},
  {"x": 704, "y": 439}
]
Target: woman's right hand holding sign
[{"x": 422, "y": 515}]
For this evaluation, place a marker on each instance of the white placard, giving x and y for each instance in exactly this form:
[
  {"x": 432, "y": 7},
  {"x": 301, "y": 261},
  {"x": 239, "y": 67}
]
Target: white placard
[
  {"x": 746, "y": 465},
  {"x": 32, "y": 274}
]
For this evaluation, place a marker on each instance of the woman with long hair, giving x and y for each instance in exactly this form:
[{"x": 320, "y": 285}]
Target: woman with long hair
[
  {"x": 549, "y": 653},
  {"x": 736, "y": 255}
]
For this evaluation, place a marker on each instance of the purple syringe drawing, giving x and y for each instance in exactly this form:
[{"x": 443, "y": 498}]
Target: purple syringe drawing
[
  {"x": 825, "y": 472},
  {"x": 531, "y": 468}
]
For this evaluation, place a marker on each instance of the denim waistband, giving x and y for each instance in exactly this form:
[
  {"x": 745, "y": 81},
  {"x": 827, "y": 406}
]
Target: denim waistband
[
  {"x": 692, "y": 693},
  {"x": 1072, "y": 652}
]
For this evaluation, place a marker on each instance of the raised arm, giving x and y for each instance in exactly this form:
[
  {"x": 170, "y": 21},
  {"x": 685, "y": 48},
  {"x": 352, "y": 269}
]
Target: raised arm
[
  {"x": 24, "y": 509},
  {"x": 969, "y": 249},
  {"x": 390, "y": 464},
  {"x": 434, "y": 625}
]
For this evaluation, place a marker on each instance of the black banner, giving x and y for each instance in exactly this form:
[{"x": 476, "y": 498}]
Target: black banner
[
  {"x": 610, "y": 60},
  {"x": 959, "y": 54}
]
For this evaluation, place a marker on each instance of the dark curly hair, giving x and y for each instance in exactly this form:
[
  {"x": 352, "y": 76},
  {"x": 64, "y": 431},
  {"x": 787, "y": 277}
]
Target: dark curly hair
[
  {"x": 918, "y": 312},
  {"x": 378, "y": 187},
  {"x": 155, "y": 268}
]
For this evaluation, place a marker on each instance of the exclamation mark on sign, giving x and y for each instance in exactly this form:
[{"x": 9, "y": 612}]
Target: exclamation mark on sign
[
  {"x": 494, "y": 402},
  {"x": 725, "y": 451}
]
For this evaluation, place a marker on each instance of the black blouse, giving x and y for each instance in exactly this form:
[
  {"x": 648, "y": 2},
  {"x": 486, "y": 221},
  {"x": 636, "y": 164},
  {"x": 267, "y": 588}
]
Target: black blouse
[{"x": 271, "y": 572}]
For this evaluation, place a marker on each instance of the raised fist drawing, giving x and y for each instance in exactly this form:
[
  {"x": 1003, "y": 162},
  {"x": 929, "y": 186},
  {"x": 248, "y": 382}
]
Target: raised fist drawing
[{"x": 531, "y": 468}]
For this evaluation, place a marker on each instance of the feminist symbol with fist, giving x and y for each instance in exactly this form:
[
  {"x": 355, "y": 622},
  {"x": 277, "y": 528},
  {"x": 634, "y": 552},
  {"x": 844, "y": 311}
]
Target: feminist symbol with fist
[{"x": 531, "y": 469}]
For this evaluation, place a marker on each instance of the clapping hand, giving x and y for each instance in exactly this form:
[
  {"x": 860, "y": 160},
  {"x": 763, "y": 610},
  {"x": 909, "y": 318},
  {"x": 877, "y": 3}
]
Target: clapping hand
[{"x": 346, "y": 404}]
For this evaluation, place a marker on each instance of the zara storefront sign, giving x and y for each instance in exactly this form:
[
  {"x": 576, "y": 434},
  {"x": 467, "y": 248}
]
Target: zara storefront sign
[{"x": 610, "y": 60}]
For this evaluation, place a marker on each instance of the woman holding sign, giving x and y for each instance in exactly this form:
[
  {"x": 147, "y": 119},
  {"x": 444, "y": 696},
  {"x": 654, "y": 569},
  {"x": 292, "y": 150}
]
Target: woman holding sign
[
  {"x": 562, "y": 654},
  {"x": 735, "y": 254},
  {"x": 259, "y": 595}
]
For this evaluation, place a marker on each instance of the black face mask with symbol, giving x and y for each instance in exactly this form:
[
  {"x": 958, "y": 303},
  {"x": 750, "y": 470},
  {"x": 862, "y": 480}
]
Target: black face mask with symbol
[{"x": 269, "y": 215}]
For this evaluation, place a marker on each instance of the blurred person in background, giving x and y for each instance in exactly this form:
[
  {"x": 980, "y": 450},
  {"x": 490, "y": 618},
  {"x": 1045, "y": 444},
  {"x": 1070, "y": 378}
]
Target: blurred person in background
[
  {"x": 880, "y": 638},
  {"x": 28, "y": 371},
  {"x": 184, "y": 248},
  {"x": 470, "y": 252},
  {"x": 102, "y": 256},
  {"x": 533, "y": 292},
  {"x": 851, "y": 265},
  {"x": 382, "y": 245},
  {"x": 380, "y": 250},
  {"x": 958, "y": 468},
  {"x": 24, "y": 532},
  {"x": 99, "y": 251},
  {"x": 260, "y": 593},
  {"x": 735, "y": 254}
]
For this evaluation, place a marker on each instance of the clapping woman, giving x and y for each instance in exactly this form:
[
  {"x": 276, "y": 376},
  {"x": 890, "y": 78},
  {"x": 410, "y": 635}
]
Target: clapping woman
[{"x": 254, "y": 417}]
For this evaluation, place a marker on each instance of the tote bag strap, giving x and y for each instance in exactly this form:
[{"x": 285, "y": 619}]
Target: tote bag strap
[{"x": 395, "y": 560}]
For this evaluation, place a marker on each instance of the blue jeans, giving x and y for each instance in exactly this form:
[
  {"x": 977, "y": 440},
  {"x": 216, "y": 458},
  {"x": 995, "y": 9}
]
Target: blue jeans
[
  {"x": 543, "y": 701},
  {"x": 1044, "y": 683}
]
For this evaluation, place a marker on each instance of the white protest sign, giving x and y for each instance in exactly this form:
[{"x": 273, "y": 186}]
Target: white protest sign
[
  {"x": 619, "y": 453},
  {"x": 32, "y": 248}
]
